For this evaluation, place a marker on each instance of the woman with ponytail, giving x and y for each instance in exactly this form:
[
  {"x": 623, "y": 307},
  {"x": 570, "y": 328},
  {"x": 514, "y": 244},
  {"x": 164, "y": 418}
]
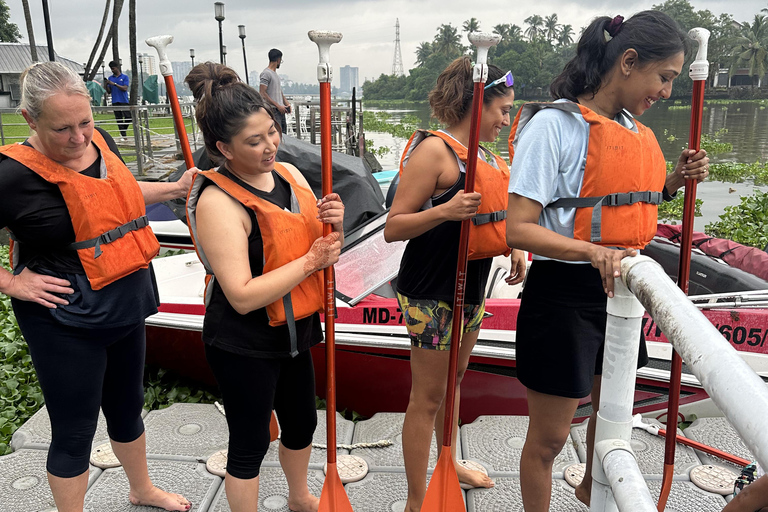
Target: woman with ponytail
[
  {"x": 428, "y": 208},
  {"x": 575, "y": 163},
  {"x": 257, "y": 228}
]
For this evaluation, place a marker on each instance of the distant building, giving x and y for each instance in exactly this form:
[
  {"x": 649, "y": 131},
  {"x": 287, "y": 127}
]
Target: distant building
[
  {"x": 15, "y": 58},
  {"x": 181, "y": 70},
  {"x": 349, "y": 78},
  {"x": 149, "y": 66}
]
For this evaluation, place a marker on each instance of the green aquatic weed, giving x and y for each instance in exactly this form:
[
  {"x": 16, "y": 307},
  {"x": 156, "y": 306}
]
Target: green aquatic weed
[{"x": 745, "y": 223}]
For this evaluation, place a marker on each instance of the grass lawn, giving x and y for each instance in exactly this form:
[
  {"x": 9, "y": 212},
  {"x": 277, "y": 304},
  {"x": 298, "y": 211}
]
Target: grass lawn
[{"x": 15, "y": 129}]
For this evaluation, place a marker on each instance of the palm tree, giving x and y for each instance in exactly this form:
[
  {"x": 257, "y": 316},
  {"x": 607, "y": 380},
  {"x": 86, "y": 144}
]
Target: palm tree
[
  {"x": 751, "y": 49},
  {"x": 535, "y": 24},
  {"x": 90, "y": 75},
  {"x": 502, "y": 29},
  {"x": 110, "y": 35},
  {"x": 566, "y": 35},
  {"x": 515, "y": 33},
  {"x": 551, "y": 27},
  {"x": 117, "y": 9},
  {"x": 447, "y": 41},
  {"x": 423, "y": 51},
  {"x": 134, "y": 96},
  {"x": 30, "y": 30},
  {"x": 471, "y": 25}
]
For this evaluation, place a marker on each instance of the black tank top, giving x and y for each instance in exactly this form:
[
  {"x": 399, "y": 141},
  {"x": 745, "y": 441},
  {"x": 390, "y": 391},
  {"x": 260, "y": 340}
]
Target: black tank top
[
  {"x": 251, "y": 334},
  {"x": 428, "y": 267}
]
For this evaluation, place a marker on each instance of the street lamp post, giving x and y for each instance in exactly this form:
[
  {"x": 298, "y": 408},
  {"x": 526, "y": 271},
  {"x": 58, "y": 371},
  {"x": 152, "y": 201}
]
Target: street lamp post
[
  {"x": 141, "y": 78},
  {"x": 192, "y": 56},
  {"x": 241, "y": 31},
  {"x": 219, "y": 15},
  {"x": 224, "y": 54}
]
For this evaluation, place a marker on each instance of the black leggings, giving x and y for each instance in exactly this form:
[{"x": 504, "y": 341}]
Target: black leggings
[
  {"x": 123, "y": 118},
  {"x": 251, "y": 387},
  {"x": 79, "y": 371}
]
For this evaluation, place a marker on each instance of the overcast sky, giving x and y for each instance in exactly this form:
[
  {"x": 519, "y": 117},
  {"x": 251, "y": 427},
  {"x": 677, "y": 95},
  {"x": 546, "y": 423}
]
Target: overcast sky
[{"x": 368, "y": 26}]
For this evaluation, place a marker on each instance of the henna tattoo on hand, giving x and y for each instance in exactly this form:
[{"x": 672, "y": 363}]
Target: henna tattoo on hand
[{"x": 320, "y": 253}]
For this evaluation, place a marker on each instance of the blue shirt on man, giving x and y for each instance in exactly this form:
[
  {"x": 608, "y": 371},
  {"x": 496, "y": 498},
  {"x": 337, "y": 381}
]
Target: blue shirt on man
[{"x": 119, "y": 96}]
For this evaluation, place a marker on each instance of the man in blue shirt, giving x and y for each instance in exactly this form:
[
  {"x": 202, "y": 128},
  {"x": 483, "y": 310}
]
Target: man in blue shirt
[{"x": 117, "y": 86}]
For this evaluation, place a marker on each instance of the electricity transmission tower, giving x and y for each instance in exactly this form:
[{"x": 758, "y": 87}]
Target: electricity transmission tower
[{"x": 397, "y": 61}]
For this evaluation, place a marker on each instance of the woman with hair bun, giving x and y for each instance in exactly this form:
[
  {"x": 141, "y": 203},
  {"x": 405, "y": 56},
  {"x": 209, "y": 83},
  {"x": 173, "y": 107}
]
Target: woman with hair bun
[
  {"x": 574, "y": 159},
  {"x": 81, "y": 284},
  {"x": 257, "y": 228},
  {"x": 428, "y": 208}
]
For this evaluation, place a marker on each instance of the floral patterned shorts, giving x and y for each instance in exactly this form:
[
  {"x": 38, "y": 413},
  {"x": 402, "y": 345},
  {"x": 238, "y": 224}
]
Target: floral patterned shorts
[{"x": 429, "y": 321}]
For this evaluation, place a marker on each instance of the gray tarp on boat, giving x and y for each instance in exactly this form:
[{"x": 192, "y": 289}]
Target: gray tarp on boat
[{"x": 356, "y": 185}]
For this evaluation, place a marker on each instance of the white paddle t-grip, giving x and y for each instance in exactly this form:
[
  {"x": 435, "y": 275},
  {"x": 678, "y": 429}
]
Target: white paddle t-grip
[
  {"x": 483, "y": 41},
  {"x": 159, "y": 43},
  {"x": 699, "y": 69},
  {"x": 324, "y": 39},
  {"x": 637, "y": 422}
]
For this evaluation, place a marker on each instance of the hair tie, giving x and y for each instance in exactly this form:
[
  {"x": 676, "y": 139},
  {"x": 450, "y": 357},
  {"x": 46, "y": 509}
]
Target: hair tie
[{"x": 613, "y": 28}]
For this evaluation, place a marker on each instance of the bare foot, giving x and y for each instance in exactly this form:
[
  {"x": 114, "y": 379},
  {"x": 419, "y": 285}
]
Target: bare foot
[
  {"x": 308, "y": 503},
  {"x": 473, "y": 478},
  {"x": 159, "y": 498},
  {"x": 583, "y": 494}
]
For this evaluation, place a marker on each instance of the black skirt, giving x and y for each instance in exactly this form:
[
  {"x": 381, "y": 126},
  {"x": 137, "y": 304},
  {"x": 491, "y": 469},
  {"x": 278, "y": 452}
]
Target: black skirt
[{"x": 561, "y": 329}]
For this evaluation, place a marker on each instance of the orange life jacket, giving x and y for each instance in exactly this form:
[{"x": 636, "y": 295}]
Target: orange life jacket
[
  {"x": 623, "y": 179},
  {"x": 286, "y": 236},
  {"x": 488, "y": 231},
  {"x": 112, "y": 233}
]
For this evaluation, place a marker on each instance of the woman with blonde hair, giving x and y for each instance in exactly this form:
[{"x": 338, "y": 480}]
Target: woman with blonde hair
[{"x": 81, "y": 284}]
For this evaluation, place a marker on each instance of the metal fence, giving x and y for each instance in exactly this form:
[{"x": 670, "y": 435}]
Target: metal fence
[
  {"x": 152, "y": 149},
  {"x": 346, "y": 124}
]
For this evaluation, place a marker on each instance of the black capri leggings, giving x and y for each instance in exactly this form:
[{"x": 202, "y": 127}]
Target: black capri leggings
[
  {"x": 251, "y": 387},
  {"x": 79, "y": 371}
]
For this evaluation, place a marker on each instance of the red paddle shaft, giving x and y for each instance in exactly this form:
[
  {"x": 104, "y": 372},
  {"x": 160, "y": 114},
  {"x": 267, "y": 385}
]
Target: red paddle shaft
[
  {"x": 699, "y": 71},
  {"x": 706, "y": 449},
  {"x": 333, "y": 498},
  {"x": 461, "y": 266},
  {"x": 178, "y": 121},
  {"x": 160, "y": 43},
  {"x": 330, "y": 339}
]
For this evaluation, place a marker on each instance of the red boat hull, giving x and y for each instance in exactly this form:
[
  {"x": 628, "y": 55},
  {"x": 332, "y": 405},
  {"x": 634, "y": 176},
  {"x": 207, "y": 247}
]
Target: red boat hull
[{"x": 376, "y": 377}]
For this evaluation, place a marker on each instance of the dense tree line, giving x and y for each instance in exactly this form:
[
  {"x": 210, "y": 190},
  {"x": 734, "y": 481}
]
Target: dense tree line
[{"x": 537, "y": 52}]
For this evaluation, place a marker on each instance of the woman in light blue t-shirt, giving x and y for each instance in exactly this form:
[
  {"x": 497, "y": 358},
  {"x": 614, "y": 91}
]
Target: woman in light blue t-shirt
[{"x": 619, "y": 71}]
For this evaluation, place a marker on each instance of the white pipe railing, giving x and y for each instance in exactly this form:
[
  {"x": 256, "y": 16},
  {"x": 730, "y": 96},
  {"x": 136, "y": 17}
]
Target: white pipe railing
[
  {"x": 617, "y": 483},
  {"x": 735, "y": 388}
]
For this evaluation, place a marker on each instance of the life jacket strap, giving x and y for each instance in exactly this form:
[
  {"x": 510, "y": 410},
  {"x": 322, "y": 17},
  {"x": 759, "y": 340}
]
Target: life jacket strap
[
  {"x": 110, "y": 236},
  {"x": 485, "y": 218},
  {"x": 597, "y": 202}
]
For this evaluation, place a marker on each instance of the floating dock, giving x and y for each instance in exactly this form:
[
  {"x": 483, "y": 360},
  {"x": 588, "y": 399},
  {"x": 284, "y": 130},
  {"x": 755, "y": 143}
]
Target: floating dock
[{"x": 184, "y": 437}]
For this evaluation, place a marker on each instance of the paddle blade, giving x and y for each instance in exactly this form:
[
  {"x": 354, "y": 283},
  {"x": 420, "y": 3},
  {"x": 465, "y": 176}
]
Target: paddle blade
[
  {"x": 334, "y": 498},
  {"x": 274, "y": 430},
  {"x": 444, "y": 492}
]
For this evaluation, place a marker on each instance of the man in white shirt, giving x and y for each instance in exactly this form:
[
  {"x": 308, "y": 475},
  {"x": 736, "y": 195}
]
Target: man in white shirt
[{"x": 270, "y": 89}]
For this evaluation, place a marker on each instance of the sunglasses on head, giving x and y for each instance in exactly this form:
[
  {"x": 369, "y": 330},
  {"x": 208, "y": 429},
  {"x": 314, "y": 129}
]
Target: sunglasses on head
[{"x": 507, "y": 79}]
